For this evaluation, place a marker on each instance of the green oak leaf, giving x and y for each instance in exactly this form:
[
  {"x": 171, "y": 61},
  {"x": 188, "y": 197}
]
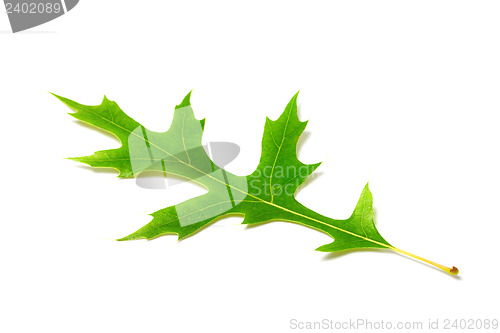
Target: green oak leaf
[{"x": 267, "y": 194}]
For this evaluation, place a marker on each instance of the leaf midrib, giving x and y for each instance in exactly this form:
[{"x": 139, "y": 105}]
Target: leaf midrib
[
  {"x": 277, "y": 154},
  {"x": 244, "y": 192}
]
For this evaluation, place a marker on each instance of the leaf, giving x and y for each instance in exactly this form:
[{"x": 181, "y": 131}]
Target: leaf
[{"x": 267, "y": 194}]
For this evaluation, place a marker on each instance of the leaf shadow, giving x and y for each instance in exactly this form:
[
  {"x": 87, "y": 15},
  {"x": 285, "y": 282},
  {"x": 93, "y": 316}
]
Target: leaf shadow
[
  {"x": 302, "y": 140},
  {"x": 305, "y": 134},
  {"x": 99, "y": 170},
  {"x": 255, "y": 225},
  {"x": 375, "y": 216}
]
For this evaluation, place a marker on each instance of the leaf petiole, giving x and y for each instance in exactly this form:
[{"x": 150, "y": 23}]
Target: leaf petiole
[{"x": 452, "y": 271}]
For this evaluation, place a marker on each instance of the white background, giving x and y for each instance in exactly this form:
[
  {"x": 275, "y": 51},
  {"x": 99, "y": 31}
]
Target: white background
[{"x": 404, "y": 94}]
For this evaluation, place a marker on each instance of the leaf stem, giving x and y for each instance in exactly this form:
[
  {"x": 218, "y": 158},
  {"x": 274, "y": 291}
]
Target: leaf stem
[{"x": 452, "y": 271}]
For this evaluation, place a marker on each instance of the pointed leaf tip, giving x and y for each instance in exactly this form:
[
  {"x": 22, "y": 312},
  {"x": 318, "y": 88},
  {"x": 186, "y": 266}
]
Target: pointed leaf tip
[
  {"x": 186, "y": 101},
  {"x": 366, "y": 190},
  {"x": 62, "y": 99},
  {"x": 290, "y": 109},
  {"x": 106, "y": 99}
]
